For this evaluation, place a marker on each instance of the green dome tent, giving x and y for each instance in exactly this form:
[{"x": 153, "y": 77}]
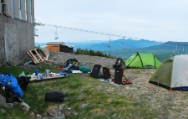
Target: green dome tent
[
  {"x": 141, "y": 60},
  {"x": 172, "y": 74}
]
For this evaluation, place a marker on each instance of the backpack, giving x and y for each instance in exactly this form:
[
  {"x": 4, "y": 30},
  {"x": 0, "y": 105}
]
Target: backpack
[
  {"x": 119, "y": 64},
  {"x": 11, "y": 88},
  {"x": 106, "y": 73},
  {"x": 54, "y": 96},
  {"x": 23, "y": 81},
  {"x": 119, "y": 67},
  {"x": 96, "y": 71}
]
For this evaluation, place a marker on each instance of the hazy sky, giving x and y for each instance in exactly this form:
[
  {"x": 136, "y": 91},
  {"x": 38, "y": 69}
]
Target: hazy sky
[{"x": 158, "y": 20}]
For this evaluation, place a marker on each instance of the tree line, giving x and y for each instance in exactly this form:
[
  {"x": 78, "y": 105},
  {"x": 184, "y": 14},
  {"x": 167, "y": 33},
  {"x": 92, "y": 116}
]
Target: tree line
[{"x": 92, "y": 53}]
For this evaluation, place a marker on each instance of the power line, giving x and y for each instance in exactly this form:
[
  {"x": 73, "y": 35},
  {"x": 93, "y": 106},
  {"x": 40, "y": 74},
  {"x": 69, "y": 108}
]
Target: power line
[{"x": 79, "y": 29}]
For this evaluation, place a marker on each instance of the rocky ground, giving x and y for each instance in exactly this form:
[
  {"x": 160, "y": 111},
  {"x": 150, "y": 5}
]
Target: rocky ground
[
  {"x": 169, "y": 104},
  {"x": 87, "y": 60}
]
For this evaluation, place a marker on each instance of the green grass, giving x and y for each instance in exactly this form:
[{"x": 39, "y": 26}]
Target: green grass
[
  {"x": 12, "y": 69},
  {"x": 17, "y": 70},
  {"x": 104, "y": 100},
  {"x": 81, "y": 89}
]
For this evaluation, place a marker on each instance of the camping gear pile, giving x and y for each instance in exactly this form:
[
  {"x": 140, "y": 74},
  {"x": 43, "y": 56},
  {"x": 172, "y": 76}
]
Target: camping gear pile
[
  {"x": 10, "y": 87},
  {"x": 12, "y": 90},
  {"x": 119, "y": 77},
  {"x": 73, "y": 66},
  {"x": 47, "y": 75}
]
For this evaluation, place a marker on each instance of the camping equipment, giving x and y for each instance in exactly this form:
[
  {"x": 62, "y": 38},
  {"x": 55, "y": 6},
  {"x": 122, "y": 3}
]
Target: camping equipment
[
  {"x": 52, "y": 76},
  {"x": 119, "y": 67},
  {"x": 71, "y": 64},
  {"x": 12, "y": 90},
  {"x": 119, "y": 64},
  {"x": 73, "y": 71},
  {"x": 106, "y": 73},
  {"x": 23, "y": 81},
  {"x": 54, "y": 96},
  {"x": 96, "y": 71},
  {"x": 173, "y": 73},
  {"x": 141, "y": 60},
  {"x": 84, "y": 69},
  {"x": 119, "y": 74}
]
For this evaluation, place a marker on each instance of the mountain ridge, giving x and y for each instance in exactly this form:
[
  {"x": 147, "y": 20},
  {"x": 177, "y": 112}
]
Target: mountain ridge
[{"x": 116, "y": 44}]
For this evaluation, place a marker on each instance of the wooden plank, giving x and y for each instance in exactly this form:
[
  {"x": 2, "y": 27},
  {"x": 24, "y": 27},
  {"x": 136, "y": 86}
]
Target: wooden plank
[
  {"x": 34, "y": 57},
  {"x": 37, "y": 55},
  {"x": 47, "y": 78}
]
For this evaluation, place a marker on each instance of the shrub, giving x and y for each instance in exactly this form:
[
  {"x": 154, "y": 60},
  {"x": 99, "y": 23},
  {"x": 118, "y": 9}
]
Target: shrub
[{"x": 92, "y": 53}]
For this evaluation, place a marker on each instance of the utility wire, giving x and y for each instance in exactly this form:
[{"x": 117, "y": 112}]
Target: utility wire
[{"x": 79, "y": 29}]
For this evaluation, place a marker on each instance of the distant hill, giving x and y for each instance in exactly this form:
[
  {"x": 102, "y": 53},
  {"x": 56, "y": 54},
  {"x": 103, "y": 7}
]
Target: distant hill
[
  {"x": 116, "y": 44},
  {"x": 170, "y": 46},
  {"x": 163, "y": 51},
  {"x": 168, "y": 49},
  {"x": 125, "y": 47}
]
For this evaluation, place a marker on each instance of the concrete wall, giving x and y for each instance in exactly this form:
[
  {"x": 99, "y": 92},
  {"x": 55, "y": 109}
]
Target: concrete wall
[
  {"x": 18, "y": 39},
  {"x": 2, "y": 46}
]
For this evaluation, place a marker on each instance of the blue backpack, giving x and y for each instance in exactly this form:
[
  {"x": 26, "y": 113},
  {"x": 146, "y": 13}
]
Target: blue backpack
[{"x": 10, "y": 82}]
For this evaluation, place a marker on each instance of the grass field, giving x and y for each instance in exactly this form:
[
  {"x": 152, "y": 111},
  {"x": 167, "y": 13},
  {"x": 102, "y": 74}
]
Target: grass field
[
  {"x": 103, "y": 100},
  {"x": 89, "y": 98}
]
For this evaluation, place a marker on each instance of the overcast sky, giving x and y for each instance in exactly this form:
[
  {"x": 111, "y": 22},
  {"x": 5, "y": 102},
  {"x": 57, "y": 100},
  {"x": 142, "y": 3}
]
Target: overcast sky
[{"x": 157, "y": 20}]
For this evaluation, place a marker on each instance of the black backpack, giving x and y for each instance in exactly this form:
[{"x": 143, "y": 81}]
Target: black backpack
[
  {"x": 119, "y": 77},
  {"x": 54, "y": 96},
  {"x": 119, "y": 64},
  {"x": 23, "y": 81},
  {"x": 106, "y": 73},
  {"x": 96, "y": 71}
]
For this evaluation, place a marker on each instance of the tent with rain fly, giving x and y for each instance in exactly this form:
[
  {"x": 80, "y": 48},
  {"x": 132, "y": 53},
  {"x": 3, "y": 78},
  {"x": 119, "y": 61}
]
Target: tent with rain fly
[
  {"x": 173, "y": 73},
  {"x": 141, "y": 60}
]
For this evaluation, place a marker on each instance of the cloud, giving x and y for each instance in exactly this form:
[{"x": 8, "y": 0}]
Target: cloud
[{"x": 159, "y": 20}]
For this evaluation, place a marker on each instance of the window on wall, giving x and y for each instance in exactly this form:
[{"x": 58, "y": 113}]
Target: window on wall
[
  {"x": 26, "y": 10},
  {"x": 12, "y": 8},
  {"x": 31, "y": 10},
  {"x": 3, "y": 7},
  {"x": 20, "y": 8}
]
